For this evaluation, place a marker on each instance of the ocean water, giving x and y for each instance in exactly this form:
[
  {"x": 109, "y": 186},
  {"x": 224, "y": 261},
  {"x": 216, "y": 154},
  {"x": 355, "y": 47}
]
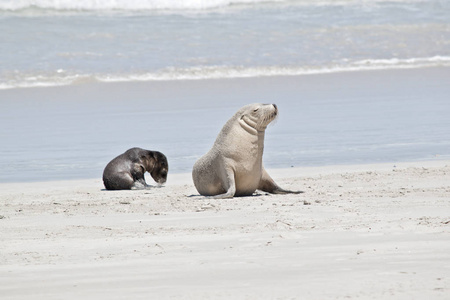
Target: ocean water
[
  {"x": 173, "y": 52},
  {"x": 46, "y": 42}
]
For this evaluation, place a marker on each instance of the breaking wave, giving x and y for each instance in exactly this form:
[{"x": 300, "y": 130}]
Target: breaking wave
[
  {"x": 60, "y": 77},
  {"x": 137, "y": 5},
  {"x": 127, "y": 5}
]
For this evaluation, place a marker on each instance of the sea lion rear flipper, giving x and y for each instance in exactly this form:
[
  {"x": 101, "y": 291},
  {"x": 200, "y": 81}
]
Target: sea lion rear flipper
[{"x": 267, "y": 184}]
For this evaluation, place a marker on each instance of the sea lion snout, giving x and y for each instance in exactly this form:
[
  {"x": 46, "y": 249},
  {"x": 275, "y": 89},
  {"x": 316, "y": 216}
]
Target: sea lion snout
[
  {"x": 161, "y": 181},
  {"x": 275, "y": 113}
]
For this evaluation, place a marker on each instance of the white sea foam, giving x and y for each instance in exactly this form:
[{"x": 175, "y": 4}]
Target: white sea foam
[
  {"x": 219, "y": 72},
  {"x": 123, "y": 4},
  {"x": 398, "y": 62},
  {"x": 133, "y": 5},
  {"x": 60, "y": 78}
]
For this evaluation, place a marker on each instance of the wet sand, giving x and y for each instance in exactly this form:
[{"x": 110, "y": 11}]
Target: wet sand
[{"x": 72, "y": 132}]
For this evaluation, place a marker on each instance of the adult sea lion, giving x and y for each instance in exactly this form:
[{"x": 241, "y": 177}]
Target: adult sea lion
[
  {"x": 233, "y": 166},
  {"x": 126, "y": 171}
]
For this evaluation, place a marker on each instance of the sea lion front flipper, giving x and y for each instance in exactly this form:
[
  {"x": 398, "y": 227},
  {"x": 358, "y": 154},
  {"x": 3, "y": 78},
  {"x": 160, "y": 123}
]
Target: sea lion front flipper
[
  {"x": 138, "y": 172},
  {"x": 229, "y": 185}
]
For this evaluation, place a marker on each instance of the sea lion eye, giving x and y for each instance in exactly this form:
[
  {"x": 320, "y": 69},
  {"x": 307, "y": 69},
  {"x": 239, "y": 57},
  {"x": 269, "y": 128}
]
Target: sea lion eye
[{"x": 255, "y": 110}]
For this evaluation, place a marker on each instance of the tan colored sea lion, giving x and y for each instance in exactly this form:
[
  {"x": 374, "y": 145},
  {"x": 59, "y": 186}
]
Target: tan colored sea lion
[
  {"x": 127, "y": 170},
  {"x": 233, "y": 166}
]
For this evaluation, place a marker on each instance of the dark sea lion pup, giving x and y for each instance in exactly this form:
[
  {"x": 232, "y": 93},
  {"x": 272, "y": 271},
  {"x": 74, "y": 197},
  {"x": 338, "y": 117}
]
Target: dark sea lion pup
[
  {"x": 127, "y": 170},
  {"x": 233, "y": 166}
]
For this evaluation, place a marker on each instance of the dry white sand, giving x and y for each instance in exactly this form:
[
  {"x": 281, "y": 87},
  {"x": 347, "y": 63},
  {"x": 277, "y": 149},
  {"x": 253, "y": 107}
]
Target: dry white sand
[{"x": 359, "y": 232}]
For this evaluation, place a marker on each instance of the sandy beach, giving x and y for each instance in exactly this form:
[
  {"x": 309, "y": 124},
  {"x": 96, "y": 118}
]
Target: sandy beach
[
  {"x": 376, "y": 231},
  {"x": 362, "y": 89}
]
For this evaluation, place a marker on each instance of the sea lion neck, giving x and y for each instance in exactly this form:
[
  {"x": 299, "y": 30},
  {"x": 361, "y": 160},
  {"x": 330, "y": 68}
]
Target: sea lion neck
[{"x": 249, "y": 124}]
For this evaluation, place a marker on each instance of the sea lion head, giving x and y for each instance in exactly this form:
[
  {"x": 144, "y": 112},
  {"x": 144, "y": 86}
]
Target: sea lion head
[
  {"x": 160, "y": 167},
  {"x": 257, "y": 116}
]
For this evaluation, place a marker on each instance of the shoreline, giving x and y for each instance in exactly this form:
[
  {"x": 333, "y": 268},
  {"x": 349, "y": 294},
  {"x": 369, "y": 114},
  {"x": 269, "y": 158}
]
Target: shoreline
[
  {"x": 183, "y": 178},
  {"x": 254, "y": 78},
  {"x": 154, "y": 78},
  {"x": 363, "y": 232}
]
